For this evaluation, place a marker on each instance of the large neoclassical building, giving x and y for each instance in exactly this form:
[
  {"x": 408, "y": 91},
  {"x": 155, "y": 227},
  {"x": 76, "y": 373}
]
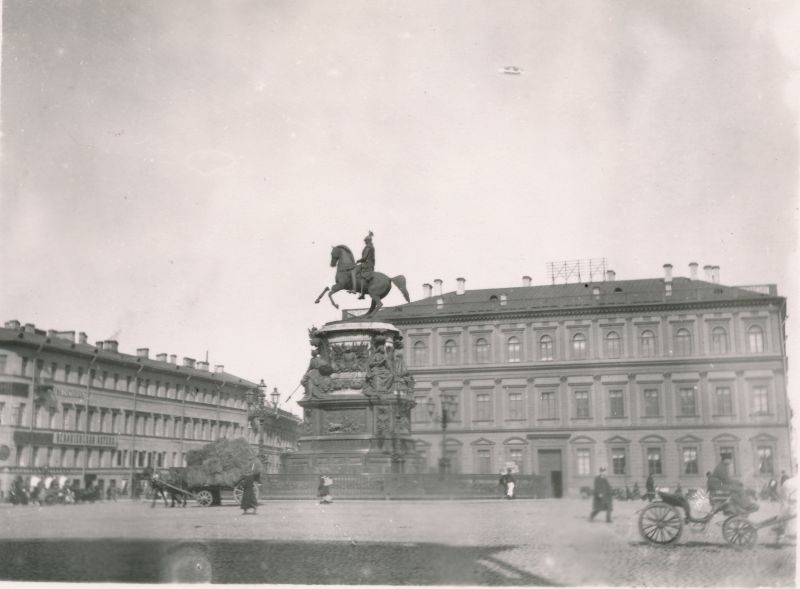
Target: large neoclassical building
[
  {"x": 91, "y": 412},
  {"x": 663, "y": 375}
]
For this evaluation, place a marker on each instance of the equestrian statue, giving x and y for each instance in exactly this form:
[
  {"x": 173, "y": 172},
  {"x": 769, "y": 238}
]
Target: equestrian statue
[{"x": 359, "y": 276}]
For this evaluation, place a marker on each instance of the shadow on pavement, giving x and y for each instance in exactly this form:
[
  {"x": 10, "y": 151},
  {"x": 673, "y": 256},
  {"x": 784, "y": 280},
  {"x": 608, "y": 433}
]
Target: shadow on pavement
[{"x": 241, "y": 561}]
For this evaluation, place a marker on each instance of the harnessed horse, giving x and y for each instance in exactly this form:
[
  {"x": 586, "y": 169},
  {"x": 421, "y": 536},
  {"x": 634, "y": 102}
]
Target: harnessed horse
[{"x": 377, "y": 288}]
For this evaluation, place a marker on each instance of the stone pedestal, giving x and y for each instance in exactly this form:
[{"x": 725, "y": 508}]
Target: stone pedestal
[{"x": 357, "y": 403}]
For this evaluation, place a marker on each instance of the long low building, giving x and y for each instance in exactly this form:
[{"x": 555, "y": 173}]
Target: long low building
[
  {"x": 664, "y": 375},
  {"x": 90, "y": 412}
]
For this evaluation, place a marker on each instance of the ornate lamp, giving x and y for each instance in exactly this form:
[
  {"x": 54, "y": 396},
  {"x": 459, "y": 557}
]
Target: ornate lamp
[{"x": 275, "y": 397}]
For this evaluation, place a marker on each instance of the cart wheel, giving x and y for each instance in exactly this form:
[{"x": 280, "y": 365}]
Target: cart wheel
[
  {"x": 205, "y": 498},
  {"x": 739, "y": 532},
  {"x": 660, "y": 523},
  {"x": 238, "y": 491}
]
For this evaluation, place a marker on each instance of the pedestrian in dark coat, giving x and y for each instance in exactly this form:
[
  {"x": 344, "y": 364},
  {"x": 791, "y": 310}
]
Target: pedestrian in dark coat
[
  {"x": 508, "y": 483},
  {"x": 324, "y": 489},
  {"x": 602, "y": 498},
  {"x": 248, "y": 484}
]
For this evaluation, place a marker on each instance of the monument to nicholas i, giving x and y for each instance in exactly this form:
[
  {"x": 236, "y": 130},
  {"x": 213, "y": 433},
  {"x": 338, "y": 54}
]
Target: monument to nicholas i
[{"x": 358, "y": 390}]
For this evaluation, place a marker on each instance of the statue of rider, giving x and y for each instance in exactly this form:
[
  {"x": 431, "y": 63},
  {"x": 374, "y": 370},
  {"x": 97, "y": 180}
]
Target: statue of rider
[{"x": 365, "y": 267}]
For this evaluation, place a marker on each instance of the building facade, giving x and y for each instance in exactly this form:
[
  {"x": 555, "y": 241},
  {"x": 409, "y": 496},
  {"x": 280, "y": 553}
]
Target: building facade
[
  {"x": 662, "y": 375},
  {"x": 90, "y": 412}
]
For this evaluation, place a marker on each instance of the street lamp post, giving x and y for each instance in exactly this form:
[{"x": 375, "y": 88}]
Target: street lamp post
[
  {"x": 258, "y": 411},
  {"x": 448, "y": 407}
]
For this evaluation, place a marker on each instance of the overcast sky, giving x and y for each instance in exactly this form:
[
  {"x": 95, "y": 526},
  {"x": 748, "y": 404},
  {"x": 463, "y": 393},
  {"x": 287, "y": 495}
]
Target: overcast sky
[{"x": 176, "y": 172}]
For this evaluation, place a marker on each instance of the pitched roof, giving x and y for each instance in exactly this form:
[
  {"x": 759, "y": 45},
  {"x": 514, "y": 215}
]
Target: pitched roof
[{"x": 574, "y": 295}]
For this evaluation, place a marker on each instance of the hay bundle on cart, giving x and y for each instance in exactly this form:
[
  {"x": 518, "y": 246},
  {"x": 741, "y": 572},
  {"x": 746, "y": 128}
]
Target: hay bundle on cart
[{"x": 218, "y": 466}]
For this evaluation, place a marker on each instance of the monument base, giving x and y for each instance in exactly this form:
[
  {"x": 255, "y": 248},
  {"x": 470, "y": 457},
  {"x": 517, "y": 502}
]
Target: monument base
[{"x": 357, "y": 406}]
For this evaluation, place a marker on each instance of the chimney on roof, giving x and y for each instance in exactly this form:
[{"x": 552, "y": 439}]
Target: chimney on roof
[
  {"x": 83, "y": 338},
  {"x": 460, "y": 285},
  {"x": 219, "y": 369},
  {"x": 30, "y": 328},
  {"x": 143, "y": 352},
  {"x": 437, "y": 287},
  {"x": 173, "y": 359},
  {"x": 715, "y": 274},
  {"x": 693, "y": 270},
  {"x": 188, "y": 362},
  {"x": 13, "y": 324},
  {"x": 67, "y": 335},
  {"x": 161, "y": 357},
  {"x": 98, "y": 344},
  {"x": 51, "y": 333},
  {"x": 611, "y": 275},
  {"x": 526, "y": 281},
  {"x": 111, "y": 345},
  {"x": 427, "y": 291},
  {"x": 667, "y": 272},
  {"x": 201, "y": 365},
  {"x": 707, "y": 270}
]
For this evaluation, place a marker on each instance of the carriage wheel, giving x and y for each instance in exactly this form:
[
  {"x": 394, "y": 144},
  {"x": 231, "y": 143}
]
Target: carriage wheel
[
  {"x": 238, "y": 491},
  {"x": 660, "y": 523},
  {"x": 739, "y": 532},
  {"x": 205, "y": 498}
]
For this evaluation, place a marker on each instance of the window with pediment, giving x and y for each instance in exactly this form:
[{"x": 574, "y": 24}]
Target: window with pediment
[
  {"x": 450, "y": 352},
  {"x": 755, "y": 339},
  {"x": 613, "y": 345},
  {"x": 719, "y": 340},
  {"x": 481, "y": 351},
  {"x": 546, "y": 348},
  {"x": 513, "y": 349},
  {"x": 647, "y": 343},
  {"x": 579, "y": 346},
  {"x": 683, "y": 342}
]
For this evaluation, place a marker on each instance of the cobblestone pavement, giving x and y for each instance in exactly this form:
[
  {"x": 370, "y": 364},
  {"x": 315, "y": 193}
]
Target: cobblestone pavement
[{"x": 492, "y": 542}]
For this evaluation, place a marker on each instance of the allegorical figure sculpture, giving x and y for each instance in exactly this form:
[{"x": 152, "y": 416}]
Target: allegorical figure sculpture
[
  {"x": 380, "y": 371},
  {"x": 317, "y": 379},
  {"x": 403, "y": 381},
  {"x": 359, "y": 276}
]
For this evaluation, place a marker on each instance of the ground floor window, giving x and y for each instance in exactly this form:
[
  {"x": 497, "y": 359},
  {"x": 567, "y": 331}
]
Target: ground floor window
[
  {"x": 618, "y": 460},
  {"x": 765, "y": 465},
  {"x": 654, "y": 461},
  {"x": 484, "y": 461},
  {"x": 689, "y": 457},
  {"x": 583, "y": 458}
]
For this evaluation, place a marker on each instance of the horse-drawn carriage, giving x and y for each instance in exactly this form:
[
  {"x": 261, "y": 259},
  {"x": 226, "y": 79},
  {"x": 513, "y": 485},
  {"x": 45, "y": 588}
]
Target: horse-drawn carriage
[
  {"x": 172, "y": 482},
  {"x": 662, "y": 521}
]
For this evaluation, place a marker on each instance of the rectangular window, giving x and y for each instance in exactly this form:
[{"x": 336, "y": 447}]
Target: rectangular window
[
  {"x": 728, "y": 453},
  {"x": 618, "y": 461},
  {"x": 760, "y": 401},
  {"x": 25, "y": 364},
  {"x": 690, "y": 461},
  {"x": 20, "y": 414},
  {"x": 3, "y": 360},
  {"x": 765, "y": 460},
  {"x": 515, "y": 409},
  {"x": 723, "y": 401},
  {"x": 583, "y": 458},
  {"x": 515, "y": 456},
  {"x": 547, "y": 405},
  {"x": 483, "y": 407},
  {"x": 484, "y": 461},
  {"x": 546, "y": 348},
  {"x": 616, "y": 403},
  {"x": 2, "y": 413},
  {"x": 654, "y": 461},
  {"x": 652, "y": 403},
  {"x": 688, "y": 404},
  {"x": 67, "y": 373},
  {"x": 581, "y": 403}
]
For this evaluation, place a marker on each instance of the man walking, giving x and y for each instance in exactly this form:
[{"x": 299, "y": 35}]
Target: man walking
[{"x": 602, "y": 500}]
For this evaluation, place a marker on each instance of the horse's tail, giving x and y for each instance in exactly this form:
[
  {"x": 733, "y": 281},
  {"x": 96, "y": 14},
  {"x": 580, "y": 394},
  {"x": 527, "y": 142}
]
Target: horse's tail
[{"x": 400, "y": 282}]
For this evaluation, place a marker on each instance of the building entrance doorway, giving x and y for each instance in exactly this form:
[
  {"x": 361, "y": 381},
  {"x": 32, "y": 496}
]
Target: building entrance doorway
[{"x": 550, "y": 468}]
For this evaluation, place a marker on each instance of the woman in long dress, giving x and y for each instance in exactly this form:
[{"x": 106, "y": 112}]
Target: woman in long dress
[{"x": 248, "y": 484}]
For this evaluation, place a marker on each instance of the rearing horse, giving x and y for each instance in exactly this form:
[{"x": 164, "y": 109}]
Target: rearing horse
[{"x": 377, "y": 288}]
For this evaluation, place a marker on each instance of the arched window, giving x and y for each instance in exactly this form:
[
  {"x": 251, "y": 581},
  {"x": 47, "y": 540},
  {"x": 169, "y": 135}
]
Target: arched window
[
  {"x": 613, "y": 345},
  {"x": 420, "y": 353},
  {"x": 513, "y": 347},
  {"x": 481, "y": 351},
  {"x": 755, "y": 339},
  {"x": 647, "y": 343},
  {"x": 719, "y": 340},
  {"x": 545, "y": 348},
  {"x": 450, "y": 352},
  {"x": 683, "y": 342},
  {"x": 579, "y": 347}
]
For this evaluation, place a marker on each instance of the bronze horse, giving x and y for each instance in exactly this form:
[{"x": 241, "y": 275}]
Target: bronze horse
[{"x": 380, "y": 285}]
